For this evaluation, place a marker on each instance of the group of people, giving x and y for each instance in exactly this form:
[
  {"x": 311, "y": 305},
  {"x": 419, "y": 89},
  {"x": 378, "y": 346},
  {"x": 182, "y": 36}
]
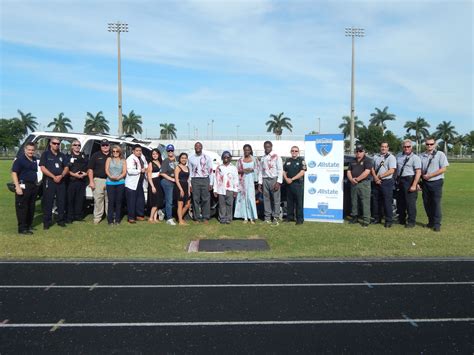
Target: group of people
[
  {"x": 173, "y": 183},
  {"x": 402, "y": 176}
]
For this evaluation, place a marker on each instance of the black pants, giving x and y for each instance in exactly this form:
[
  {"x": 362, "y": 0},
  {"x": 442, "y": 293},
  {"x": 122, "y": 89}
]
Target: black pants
[
  {"x": 76, "y": 193},
  {"x": 406, "y": 201},
  {"x": 25, "y": 207},
  {"x": 52, "y": 190},
  {"x": 432, "y": 192},
  {"x": 294, "y": 201},
  {"x": 135, "y": 201},
  {"x": 114, "y": 209},
  {"x": 383, "y": 199}
]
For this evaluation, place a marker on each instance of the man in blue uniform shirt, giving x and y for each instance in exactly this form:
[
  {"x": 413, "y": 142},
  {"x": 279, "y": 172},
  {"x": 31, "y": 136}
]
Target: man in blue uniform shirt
[
  {"x": 433, "y": 167},
  {"x": 24, "y": 176},
  {"x": 54, "y": 167}
]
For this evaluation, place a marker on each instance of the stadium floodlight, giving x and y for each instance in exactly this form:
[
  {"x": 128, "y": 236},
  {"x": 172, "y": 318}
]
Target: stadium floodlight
[
  {"x": 353, "y": 32},
  {"x": 119, "y": 27}
]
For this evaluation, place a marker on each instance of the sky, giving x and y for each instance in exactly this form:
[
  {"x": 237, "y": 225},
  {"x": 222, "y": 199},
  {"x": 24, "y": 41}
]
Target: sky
[{"x": 225, "y": 66}]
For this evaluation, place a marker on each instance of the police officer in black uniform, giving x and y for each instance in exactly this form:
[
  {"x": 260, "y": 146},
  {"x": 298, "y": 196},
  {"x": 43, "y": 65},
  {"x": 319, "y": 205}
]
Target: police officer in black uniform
[
  {"x": 53, "y": 164},
  {"x": 24, "y": 176},
  {"x": 76, "y": 190},
  {"x": 293, "y": 174}
]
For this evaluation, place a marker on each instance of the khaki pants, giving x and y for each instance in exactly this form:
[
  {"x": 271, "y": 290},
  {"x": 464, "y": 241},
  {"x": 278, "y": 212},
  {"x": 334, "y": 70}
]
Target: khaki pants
[{"x": 100, "y": 199}]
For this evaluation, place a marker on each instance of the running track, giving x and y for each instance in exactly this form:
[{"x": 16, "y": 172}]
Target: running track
[{"x": 372, "y": 306}]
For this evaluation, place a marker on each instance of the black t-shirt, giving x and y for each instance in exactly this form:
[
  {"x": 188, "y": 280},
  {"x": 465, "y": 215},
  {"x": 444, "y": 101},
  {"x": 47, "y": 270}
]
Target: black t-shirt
[
  {"x": 294, "y": 166},
  {"x": 358, "y": 167},
  {"x": 97, "y": 164},
  {"x": 54, "y": 163},
  {"x": 26, "y": 169}
]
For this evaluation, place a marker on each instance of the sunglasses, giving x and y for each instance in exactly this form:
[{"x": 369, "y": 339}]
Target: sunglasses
[
  {"x": 55, "y": 143},
  {"x": 104, "y": 145},
  {"x": 170, "y": 151},
  {"x": 429, "y": 144},
  {"x": 359, "y": 151},
  {"x": 76, "y": 145},
  {"x": 407, "y": 146},
  {"x": 115, "y": 151}
]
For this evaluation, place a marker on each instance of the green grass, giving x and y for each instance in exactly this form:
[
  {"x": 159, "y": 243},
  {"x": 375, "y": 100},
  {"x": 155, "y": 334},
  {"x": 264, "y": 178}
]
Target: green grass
[{"x": 311, "y": 240}]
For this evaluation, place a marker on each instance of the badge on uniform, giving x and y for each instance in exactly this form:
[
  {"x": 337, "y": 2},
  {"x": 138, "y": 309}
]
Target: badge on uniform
[
  {"x": 61, "y": 159},
  {"x": 56, "y": 165},
  {"x": 72, "y": 160}
]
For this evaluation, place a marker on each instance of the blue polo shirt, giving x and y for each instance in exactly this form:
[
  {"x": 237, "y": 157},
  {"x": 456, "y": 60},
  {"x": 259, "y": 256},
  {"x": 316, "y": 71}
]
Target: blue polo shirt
[
  {"x": 54, "y": 163},
  {"x": 26, "y": 169}
]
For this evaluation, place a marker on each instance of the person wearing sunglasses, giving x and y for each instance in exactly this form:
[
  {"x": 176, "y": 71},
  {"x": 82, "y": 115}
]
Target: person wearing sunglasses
[
  {"x": 76, "y": 190},
  {"x": 408, "y": 174},
  {"x": 293, "y": 174},
  {"x": 116, "y": 170},
  {"x": 433, "y": 167},
  {"x": 54, "y": 166},
  {"x": 97, "y": 179},
  {"x": 358, "y": 173},
  {"x": 385, "y": 165}
]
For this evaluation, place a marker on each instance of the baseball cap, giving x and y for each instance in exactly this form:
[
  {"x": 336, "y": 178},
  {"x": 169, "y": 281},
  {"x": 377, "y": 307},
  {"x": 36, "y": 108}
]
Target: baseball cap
[
  {"x": 104, "y": 142},
  {"x": 170, "y": 148},
  {"x": 360, "y": 147}
]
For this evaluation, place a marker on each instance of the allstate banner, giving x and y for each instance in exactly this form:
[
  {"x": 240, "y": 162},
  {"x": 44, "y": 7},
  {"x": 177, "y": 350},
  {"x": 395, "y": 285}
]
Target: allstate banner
[{"x": 323, "y": 185}]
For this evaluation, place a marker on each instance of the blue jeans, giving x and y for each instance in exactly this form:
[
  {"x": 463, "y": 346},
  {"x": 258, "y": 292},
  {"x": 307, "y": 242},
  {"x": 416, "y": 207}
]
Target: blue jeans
[
  {"x": 168, "y": 190},
  {"x": 114, "y": 209}
]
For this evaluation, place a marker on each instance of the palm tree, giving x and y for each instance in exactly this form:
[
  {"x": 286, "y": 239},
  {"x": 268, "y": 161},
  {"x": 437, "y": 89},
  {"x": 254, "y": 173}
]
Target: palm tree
[
  {"x": 420, "y": 128},
  {"x": 277, "y": 123},
  {"x": 132, "y": 123},
  {"x": 96, "y": 124},
  {"x": 28, "y": 121},
  {"x": 60, "y": 123},
  {"x": 168, "y": 131},
  {"x": 346, "y": 126},
  {"x": 445, "y": 131},
  {"x": 379, "y": 117}
]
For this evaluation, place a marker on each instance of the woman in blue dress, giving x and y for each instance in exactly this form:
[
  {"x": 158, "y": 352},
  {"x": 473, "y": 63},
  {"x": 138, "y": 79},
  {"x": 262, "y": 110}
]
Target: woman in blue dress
[{"x": 245, "y": 206}]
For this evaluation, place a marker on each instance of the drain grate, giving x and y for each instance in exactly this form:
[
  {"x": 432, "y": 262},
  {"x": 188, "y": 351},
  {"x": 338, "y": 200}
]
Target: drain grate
[{"x": 221, "y": 245}]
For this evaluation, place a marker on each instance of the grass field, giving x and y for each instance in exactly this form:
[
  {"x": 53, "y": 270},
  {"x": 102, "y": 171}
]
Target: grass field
[{"x": 311, "y": 240}]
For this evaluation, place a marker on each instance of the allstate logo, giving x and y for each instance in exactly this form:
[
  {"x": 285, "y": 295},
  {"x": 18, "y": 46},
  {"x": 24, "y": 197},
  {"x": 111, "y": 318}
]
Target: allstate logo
[
  {"x": 312, "y": 164},
  {"x": 323, "y": 207},
  {"x": 312, "y": 191},
  {"x": 312, "y": 178},
  {"x": 324, "y": 146},
  {"x": 334, "y": 178}
]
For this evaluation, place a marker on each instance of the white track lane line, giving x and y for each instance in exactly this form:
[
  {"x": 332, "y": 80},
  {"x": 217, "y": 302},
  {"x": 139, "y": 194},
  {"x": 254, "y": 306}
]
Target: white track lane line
[
  {"x": 237, "y": 323},
  {"x": 337, "y": 261},
  {"x": 348, "y": 284}
]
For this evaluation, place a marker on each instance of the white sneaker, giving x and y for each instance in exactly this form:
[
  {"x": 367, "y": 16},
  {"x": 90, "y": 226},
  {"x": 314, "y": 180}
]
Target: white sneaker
[
  {"x": 161, "y": 215},
  {"x": 171, "y": 222},
  {"x": 275, "y": 223}
]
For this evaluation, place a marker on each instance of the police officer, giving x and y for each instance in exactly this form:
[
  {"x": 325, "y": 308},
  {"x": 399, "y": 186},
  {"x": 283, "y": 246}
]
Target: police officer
[
  {"x": 97, "y": 179},
  {"x": 433, "y": 167},
  {"x": 408, "y": 174},
  {"x": 293, "y": 174},
  {"x": 382, "y": 172},
  {"x": 24, "y": 176},
  {"x": 76, "y": 190},
  {"x": 358, "y": 173},
  {"x": 53, "y": 164}
]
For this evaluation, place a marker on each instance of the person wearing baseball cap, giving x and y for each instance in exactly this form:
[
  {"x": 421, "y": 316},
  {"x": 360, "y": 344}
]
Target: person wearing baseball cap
[
  {"x": 168, "y": 182},
  {"x": 358, "y": 174}
]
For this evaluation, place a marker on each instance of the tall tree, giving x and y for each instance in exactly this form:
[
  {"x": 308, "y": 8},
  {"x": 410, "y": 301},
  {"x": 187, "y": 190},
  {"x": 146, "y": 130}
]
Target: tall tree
[
  {"x": 28, "y": 121},
  {"x": 168, "y": 131},
  {"x": 371, "y": 137},
  {"x": 132, "y": 123},
  {"x": 446, "y": 132},
  {"x": 379, "y": 117},
  {"x": 96, "y": 123},
  {"x": 420, "y": 127},
  {"x": 11, "y": 132},
  {"x": 60, "y": 123},
  {"x": 345, "y": 126},
  {"x": 277, "y": 124}
]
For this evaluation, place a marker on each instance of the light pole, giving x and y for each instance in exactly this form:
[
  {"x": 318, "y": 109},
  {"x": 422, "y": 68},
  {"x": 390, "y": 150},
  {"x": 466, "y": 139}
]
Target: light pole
[
  {"x": 237, "y": 127},
  {"x": 119, "y": 27},
  {"x": 212, "y": 130},
  {"x": 319, "y": 125},
  {"x": 353, "y": 32}
]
